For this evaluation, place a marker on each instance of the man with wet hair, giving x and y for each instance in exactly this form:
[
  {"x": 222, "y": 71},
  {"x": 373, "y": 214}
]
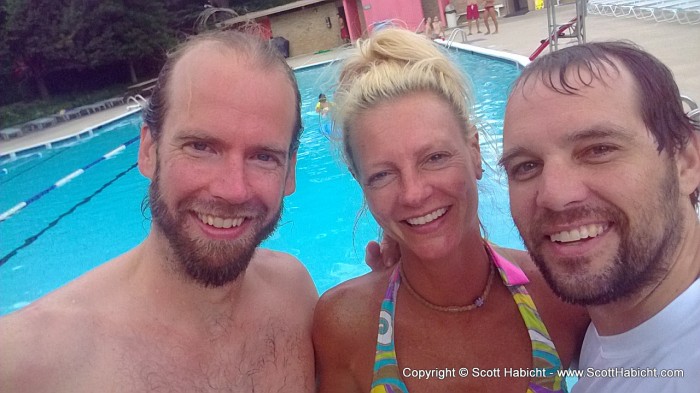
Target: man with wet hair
[
  {"x": 197, "y": 306},
  {"x": 603, "y": 171}
]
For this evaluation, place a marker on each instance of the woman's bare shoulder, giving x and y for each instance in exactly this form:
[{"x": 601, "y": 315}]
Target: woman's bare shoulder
[
  {"x": 345, "y": 331},
  {"x": 355, "y": 298},
  {"x": 565, "y": 322}
]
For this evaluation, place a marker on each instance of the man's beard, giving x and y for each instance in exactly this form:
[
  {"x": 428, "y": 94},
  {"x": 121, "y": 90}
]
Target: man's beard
[
  {"x": 643, "y": 256},
  {"x": 211, "y": 263}
]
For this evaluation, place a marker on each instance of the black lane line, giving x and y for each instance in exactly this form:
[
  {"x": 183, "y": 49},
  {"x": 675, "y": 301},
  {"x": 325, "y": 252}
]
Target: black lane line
[{"x": 87, "y": 199}]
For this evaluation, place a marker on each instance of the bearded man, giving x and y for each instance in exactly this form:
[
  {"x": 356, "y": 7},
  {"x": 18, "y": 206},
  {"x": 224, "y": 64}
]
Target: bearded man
[
  {"x": 604, "y": 175},
  {"x": 197, "y": 306}
]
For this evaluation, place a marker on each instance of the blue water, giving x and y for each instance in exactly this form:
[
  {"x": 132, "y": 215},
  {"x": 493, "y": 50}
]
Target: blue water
[{"x": 98, "y": 215}]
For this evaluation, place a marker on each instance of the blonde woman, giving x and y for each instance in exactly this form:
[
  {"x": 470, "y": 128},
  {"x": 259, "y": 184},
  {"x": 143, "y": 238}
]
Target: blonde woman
[{"x": 454, "y": 305}]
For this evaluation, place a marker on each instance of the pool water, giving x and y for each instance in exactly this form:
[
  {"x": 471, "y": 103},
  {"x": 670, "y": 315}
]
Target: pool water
[{"x": 97, "y": 216}]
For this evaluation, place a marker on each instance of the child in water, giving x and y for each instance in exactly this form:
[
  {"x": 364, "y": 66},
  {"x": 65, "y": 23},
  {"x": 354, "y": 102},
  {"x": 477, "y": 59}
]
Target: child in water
[{"x": 323, "y": 106}]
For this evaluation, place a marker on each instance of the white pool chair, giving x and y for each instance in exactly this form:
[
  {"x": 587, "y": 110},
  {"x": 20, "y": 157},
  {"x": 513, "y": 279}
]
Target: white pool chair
[
  {"x": 667, "y": 12},
  {"x": 688, "y": 13},
  {"x": 646, "y": 9}
]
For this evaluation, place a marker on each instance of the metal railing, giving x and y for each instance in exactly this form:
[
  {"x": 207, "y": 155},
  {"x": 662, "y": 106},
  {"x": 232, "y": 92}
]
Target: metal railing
[{"x": 454, "y": 33}]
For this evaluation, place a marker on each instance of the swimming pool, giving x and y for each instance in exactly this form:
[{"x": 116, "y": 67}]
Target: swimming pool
[{"x": 97, "y": 216}]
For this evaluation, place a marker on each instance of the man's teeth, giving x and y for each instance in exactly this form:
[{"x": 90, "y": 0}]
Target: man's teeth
[
  {"x": 428, "y": 217},
  {"x": 583, "y": 232},
  {"x": 220, "y": 222}
]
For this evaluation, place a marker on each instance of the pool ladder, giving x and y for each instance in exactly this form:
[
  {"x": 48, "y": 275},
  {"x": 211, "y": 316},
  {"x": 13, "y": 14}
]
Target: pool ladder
[
  {"x": 138, "y": 102},
  {"x": 453, "y": 35},
  {"x": 694, "y": 111}
]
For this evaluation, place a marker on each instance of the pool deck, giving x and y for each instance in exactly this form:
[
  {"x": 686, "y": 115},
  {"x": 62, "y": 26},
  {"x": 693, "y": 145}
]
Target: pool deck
[{"x": 674, "y": 44}]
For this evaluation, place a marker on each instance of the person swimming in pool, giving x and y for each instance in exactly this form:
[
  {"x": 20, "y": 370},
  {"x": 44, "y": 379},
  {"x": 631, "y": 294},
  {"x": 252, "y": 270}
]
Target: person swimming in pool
[
  {"x": 323, "y": 106},
  {"x": 454, "y": 299}
]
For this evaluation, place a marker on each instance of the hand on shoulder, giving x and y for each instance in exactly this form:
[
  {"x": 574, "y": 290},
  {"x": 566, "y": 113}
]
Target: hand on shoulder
[{"x": 384, "y": 255}]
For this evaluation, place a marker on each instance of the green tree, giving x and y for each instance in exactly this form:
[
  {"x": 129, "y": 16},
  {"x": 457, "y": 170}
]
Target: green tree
[
  {"x": 128, "y": 31},
  {"x": 183, "y": 14},
  {"x": 40, "y": 37},
  {"x": 43, "y": 36}
]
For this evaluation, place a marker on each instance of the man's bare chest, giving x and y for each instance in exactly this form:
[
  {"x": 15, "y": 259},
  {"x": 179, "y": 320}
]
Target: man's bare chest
[{"x": 262, "y": 358}]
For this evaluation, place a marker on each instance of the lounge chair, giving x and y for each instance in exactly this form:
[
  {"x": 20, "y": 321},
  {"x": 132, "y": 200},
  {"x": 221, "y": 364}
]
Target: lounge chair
[
  {"x": 687, "y": 13},
  {"x": 664, "y": 12},
  {"x": 594, "y": 6},
  {"x": 11, "y": 132},
  {"x": 38, "y": 124},
  {"x": 647, "y": 9}
]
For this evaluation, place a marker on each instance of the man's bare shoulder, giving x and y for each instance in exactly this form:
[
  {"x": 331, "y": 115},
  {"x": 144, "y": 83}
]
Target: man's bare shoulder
[
  {"x": 282, "y": 272},
  {"x": 64, "y": 306},
  {"x": 42, "y": 339},
  {"x": 278, "y": 262},
  {"x": 57, "y": 331}
]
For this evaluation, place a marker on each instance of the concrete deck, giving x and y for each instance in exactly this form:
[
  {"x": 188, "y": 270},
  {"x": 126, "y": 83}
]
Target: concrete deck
[
  {"x": 674, "y": 44},
  {"x": 61, "y": 130}
]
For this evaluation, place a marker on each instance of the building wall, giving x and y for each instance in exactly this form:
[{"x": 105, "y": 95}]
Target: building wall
[
  {"x": 407, "y": 11},
  {"x": 354, "y": 17},
  {"x": 431, "y": 9},
  {"x": 363, "y": 20},
  {"x": 306, "y": 29}
]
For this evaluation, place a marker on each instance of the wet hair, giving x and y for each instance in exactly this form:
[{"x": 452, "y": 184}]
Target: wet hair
[
  {"x": 243, "y": 44},
  {"x": 659, "y": 101},
  {"x": 392, "y": 63},
  {"x": 320, "y": 96}
]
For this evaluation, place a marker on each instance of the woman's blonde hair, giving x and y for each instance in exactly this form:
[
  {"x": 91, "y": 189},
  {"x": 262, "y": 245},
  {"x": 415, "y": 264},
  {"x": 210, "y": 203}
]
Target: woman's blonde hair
[{"x": 392, "y": 63}]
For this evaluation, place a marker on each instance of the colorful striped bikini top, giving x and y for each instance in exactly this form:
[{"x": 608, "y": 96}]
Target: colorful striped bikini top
[{"x": 387, "y": 378}]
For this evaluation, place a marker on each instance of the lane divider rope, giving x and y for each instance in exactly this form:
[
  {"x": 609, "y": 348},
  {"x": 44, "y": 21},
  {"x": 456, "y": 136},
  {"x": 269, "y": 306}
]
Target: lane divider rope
[{"x": 63, "y": 181}]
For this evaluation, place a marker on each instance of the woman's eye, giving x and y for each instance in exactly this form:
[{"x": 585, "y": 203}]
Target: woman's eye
[
  {"x": 378, "y": 179},
  {"x": 377, "y": 176}
]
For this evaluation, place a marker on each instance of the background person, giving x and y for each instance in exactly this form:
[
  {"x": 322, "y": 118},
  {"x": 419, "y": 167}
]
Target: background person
[
  {"x": 453, "y": 299},
  {"x": 605, "y": 195},
  {"x": 197, "y": 306},
  {"x": 490, "y": 12},
  {"x": 344, "y": 33},
  {"x": 428, "y": 30},
  {"x": 438, "y": 30},
  {"x": 473, "y": 16},
  {"x": 323, "y": 106}
]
